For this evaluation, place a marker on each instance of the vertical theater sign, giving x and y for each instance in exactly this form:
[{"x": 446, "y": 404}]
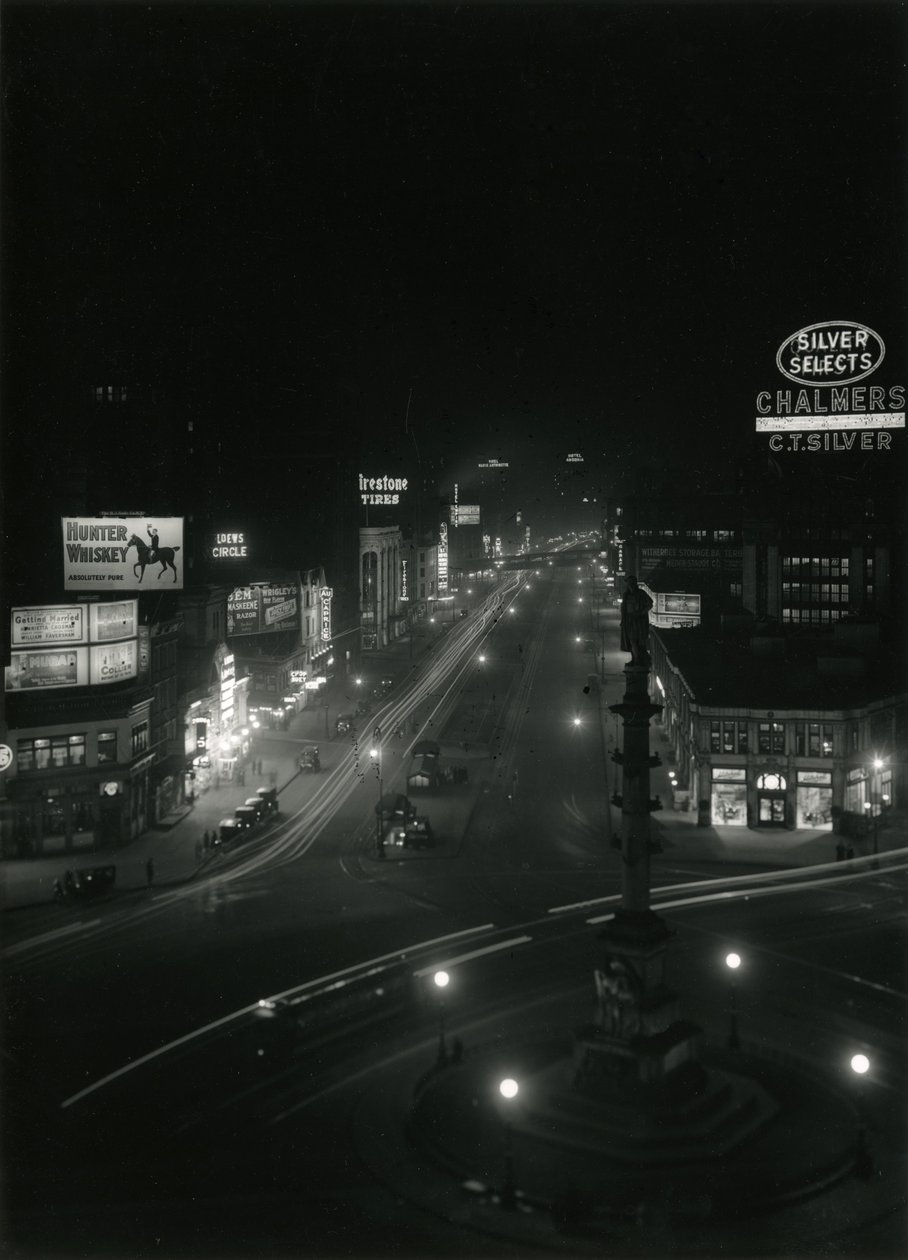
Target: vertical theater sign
[{"x": 828, "y": 402}]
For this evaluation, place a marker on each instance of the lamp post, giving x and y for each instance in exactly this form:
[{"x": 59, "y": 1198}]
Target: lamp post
[
  {"x": 508, "y": 1088},
  {"x": 442, "y": 980},
  {"x": 733, "y": 962},
  {"x": 863, "y": 1160},
  {"x": 375, "y": 753}
]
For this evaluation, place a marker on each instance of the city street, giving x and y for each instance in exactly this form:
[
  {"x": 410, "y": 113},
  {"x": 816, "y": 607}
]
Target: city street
[{"x": 824, "y": 975}]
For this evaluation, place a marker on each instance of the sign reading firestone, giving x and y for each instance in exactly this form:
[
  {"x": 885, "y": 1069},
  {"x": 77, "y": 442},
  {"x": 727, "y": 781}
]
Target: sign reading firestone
[
  {"x": 829, "y": 411},
  {"x": 381, "y": 491}
]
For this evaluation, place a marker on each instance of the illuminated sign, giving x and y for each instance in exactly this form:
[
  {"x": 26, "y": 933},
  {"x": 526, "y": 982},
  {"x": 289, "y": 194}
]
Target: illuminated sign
[
  {"x": 325, "y": 595},
  {"x": 829, "y": 411},
  {"x": 113, "y": 621},
  {"x": 40, "y": 671},
  {"x": 464, "y": 514},
  {"x": 494, "y": 463},
  {"x": 263, "y": 608},
  {"x": 114, "y": 662},
  {"x": 297, "y": 675},
  {"x": 229, "y": 547},
  {"x": 574, "y": 458},
  {"x": 442, "y": 563},
  {"x": 106, "y": 553},
  {"x": 228, "y": 686},
  {"x": 381, "y": 491},
  {"x": 404, "y": 579},
  {"x": 60, "y": 623},
  {"x": 6, "y": 757},
  {"x": 684, "y": 604},
  {"x": 835, "y": 353}
]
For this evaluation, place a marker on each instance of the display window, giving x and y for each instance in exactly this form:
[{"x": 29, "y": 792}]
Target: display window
[{"x": 729, "y": 797}]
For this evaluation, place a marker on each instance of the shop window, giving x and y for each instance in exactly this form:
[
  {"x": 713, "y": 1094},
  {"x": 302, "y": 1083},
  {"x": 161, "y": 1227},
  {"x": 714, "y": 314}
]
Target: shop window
[
  {"x": 715, "y": 737},
  {"x": 107, "y": 746}
]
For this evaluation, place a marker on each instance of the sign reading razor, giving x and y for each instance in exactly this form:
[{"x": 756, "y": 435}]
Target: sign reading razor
[
  {"x": 113, "y": 553},
  {"x": 263, "y": 608},
  {"x": 828, "y": 410},
  {"x": 381, "y": 491}
]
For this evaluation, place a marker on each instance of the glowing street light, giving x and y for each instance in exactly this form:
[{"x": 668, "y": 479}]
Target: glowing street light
[
  {"x": 482, "y": 658},
  {"x": 576, "y": 721},
  {"x": 442, "y": 980},
  {"x": 508, "y": 1088},
  {"x": 733, "y": 962},
  {"x": 375, "y": 754},
  {"x": 863, "y": 1160}
]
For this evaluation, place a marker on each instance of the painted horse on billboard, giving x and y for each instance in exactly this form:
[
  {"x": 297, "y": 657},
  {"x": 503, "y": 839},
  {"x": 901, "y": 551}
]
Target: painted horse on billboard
[{"x": 162, "y": 555}]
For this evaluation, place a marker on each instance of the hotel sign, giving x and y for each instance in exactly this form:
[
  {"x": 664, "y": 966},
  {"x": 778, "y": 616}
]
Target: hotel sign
[
  {"x": 442, "y": 564},
  {"x": 828, "y": 410}
]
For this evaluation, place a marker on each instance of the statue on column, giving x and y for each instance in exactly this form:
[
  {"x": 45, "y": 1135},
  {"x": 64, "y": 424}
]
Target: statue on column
[{"x": 635, "y": 622}]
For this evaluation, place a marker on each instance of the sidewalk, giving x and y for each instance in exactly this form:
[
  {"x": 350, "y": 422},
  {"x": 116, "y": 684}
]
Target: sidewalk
[{"x": 171, "y": 845}]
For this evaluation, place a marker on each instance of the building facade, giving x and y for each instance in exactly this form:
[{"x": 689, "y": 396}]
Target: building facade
[{"x": 379, "y": 568}]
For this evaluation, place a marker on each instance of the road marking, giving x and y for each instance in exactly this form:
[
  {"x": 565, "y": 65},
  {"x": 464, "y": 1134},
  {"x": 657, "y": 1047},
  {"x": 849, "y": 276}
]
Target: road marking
[
  {"x": 48, "y": 936},
  {"x": 476, "y": 953}
]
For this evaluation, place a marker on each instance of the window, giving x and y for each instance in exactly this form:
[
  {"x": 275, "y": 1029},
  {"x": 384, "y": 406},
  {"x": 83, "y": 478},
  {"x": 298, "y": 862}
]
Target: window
[
  {"x": 139, "y": 742},
  {"x": 771, "y": 737},
  {"x": 107, "y": 746},
  {"x": 728, "y": 737},
  {"x": 51, "y": 754},
  {"x": 736, "y": 589},
  {"x": 813, "y": 739}
]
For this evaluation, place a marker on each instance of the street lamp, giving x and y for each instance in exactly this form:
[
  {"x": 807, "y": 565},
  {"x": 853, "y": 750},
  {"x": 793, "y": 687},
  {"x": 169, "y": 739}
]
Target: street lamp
[
  {"x": 375, "y": 754},
  {"x": 733, "y": 962},
  {"x": 863, "y": 1160},
  {"x": 508, "y": 1088},
  {"x": 442, "y": 980}
]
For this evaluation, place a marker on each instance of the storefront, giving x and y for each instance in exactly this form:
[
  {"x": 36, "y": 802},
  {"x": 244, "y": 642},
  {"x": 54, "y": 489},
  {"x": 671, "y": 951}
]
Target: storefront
[
  {"x": 771, "y": 790},
  {"x": 728, "y": 804},
  {"x": 814, "y": 799}
]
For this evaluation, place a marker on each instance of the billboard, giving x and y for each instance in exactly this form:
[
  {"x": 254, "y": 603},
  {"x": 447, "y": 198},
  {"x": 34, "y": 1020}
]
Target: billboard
[
  {"x": 264, "y": 608},
  {"x": 113, "y": 553},
  {"x": 464, "y": 514},
  {"x": 58, "y": 623},
  {"x": 119, "y": 620},
  {"x": 113, "y": 662},
  {"x": 382, "y": 491},
  {"x": 39, "y": 671}
]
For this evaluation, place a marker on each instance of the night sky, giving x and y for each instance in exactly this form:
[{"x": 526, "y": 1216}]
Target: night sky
[{"x": 564, "y": 227}]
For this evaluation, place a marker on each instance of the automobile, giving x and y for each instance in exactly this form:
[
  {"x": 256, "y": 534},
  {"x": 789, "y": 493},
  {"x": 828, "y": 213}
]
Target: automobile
[
  {"x": 344, "y": 724},
  {"x": 416, "y": 834},
  {"x": 228, "y": 829},
  {"x": 309, "y": 759},
  {"x": 464, "y": 612},
  {"x": 363, "y": 708},
  {"x": 396, "y": 806},
  {"x": 82, "y": 885},
  {"x": 246, "y": 816},
  {"x": 256, "y": 803},
  {"x": 269, "y": 796},
  {"x": 426, "y": 748}
]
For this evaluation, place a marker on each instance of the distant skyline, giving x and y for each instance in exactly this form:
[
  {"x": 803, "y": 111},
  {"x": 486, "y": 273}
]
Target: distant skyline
[{"x": 572, "y": 226}]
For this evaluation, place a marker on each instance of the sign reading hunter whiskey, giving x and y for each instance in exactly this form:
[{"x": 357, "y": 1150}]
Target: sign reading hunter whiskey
[
  {"x": 110, "y": 553},
  {"x": 825, "y": 408}
]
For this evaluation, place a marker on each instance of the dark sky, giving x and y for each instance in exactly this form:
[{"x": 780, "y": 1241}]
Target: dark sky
[{"x": 564, "y": 226}]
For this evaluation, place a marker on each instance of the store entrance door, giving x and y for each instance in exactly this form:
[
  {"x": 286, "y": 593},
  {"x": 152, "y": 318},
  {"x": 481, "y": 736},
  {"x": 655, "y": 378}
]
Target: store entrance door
[{"x": 771, "y": 809}]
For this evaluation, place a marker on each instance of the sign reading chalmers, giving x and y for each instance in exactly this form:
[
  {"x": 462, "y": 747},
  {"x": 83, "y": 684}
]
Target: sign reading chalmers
[{"x": 829, "y": 410}]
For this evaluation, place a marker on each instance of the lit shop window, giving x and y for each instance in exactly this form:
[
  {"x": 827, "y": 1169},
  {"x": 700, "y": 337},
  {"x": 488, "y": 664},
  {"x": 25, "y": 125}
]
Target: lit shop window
[
  {"x": 107, "y": 746},
  {"x": 139, "y": 742},
  {"x": 771, "y": 737},
  {"x": 50, "y": 754},
  {"x": 813, "y": 739}
]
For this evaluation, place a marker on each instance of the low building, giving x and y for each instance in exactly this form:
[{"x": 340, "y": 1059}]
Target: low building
[{"x": 778, "y": 731}]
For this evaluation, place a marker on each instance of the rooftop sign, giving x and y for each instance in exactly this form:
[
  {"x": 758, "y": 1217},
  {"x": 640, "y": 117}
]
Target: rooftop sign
[
  {"x": 381, "y": 491},
  {"x": 828, "y": 410}
]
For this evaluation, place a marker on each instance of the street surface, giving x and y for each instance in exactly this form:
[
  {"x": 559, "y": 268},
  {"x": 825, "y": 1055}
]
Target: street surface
[{"x": 149, "y": 1096}]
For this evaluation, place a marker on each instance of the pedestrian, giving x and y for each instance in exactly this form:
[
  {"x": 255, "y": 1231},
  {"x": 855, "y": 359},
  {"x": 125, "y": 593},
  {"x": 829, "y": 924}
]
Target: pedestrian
[{"x": 149, "y": 872}]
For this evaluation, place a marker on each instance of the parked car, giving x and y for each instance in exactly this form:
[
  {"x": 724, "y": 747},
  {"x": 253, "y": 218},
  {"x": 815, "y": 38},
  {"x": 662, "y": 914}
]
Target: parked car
[
  {"x": 82, "y": 885},
  {"x": 309, "y": 760},
  {"x": 344, "y": 724},
  {"x": 246, "y": 816},
  {"x": 228, "y": 829},
  {"x": 269, "y": 796},
  {"x": 256, "y": 803}
]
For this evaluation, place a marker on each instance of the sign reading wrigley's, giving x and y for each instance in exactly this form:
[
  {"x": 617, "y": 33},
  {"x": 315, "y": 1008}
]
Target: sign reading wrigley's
[{"x": 827, "y": 410}]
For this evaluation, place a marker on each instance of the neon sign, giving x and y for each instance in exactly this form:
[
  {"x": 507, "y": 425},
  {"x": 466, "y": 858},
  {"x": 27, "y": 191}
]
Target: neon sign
[
  {"x": 443, "y": 557},
  {"x": 404, "y": 579},
  {"x": 381, "y": 491},
  {"x": 326, "y": 594}
]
